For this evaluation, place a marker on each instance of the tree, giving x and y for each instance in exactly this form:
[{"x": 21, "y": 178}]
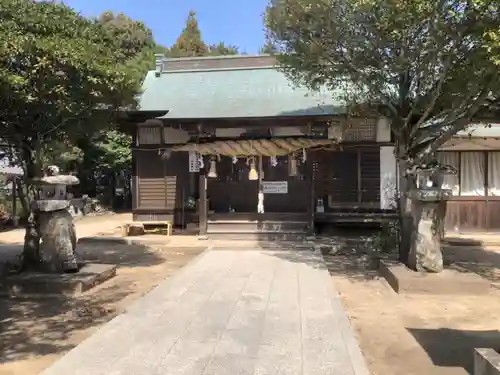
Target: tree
[
  {"x": 222, "y": 49},
  {"x": 189, "y": 43},
  {"x": 430, "y": 66},
  {"x": 106, "y": 154},
  {"x": 136, "y": 42},
  {"x": 61, "y": 75},
  {"x": 133, "y": 36},
  {"x": 268, "y": 48}
]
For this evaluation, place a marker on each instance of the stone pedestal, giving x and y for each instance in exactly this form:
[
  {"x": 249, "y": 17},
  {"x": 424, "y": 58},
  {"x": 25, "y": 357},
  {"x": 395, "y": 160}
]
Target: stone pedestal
[
  {"x": 428, "y": 210},
  {"x": 42, "y": 284},
  {"x": 486, "y": 362},
  {"x": 448, "y": 282},
  {"x": 57, "y": 235}
]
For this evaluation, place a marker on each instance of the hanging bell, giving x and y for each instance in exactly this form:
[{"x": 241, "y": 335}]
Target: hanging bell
[
  {"x": 212, "y": 172},
  {"x": 253, "y": 175},
  {"x": 292, "y": 168}
]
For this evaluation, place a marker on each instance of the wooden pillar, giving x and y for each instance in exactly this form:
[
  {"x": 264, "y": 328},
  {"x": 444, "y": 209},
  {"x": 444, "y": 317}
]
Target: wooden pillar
[
  {"x": 311, "y": 198},
  {"x": 259, "y": 183},
  {"x": 203, "y": 204},
  {"x": 134, "y": 188}
]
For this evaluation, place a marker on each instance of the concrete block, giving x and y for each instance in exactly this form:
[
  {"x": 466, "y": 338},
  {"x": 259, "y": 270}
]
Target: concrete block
[
  {"x": 51, "y": 284},
  {"x": 450, "y": 281},
  {"x": 134, "y": 229},
  {"x": 486, "y": 362}
]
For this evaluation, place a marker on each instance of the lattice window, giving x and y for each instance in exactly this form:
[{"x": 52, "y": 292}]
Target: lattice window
[
  {"x": 149, "y": 135},
  {"x": 360, "y": 129}
]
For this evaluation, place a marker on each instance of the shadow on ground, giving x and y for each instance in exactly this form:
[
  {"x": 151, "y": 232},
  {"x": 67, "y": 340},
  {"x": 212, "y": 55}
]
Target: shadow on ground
[
  {"x": 478, "y": 259},
  {"x": 349, "y": 253},
  {"x": 44, "y": 326},
  {"x": 454, "y": 348},
  {"x": 120, "y": 254},
  {"x": 382, "y": 317}
]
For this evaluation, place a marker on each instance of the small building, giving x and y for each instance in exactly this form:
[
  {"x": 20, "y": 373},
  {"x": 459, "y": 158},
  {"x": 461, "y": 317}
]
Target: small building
[
  {"x": 240, "y": 143},
  {"x": 237, "y": 127},
  {"x": 8, "y": 186},
  {"x": 475, "y": 154}
]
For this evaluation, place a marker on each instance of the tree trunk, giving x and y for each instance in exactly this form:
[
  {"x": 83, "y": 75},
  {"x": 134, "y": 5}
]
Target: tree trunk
[
  {"x": 407, "y": 226},
  {"x": 14, "y": 199},
  {"x": 31, "y": 250},
  {"x": 23, "y": 198}
]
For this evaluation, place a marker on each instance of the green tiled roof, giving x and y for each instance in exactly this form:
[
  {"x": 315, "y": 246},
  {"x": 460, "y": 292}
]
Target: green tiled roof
[{"x": 232, "y": 93}]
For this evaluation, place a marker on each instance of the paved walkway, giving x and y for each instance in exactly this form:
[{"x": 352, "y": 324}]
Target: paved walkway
[{"x": 228, "y": 313}]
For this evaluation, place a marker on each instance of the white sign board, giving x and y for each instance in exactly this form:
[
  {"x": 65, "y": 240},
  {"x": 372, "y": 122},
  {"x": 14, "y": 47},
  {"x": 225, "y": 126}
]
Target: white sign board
[
  {"x": 275, "y": 187},
  {"x": 194, "y": 162}
]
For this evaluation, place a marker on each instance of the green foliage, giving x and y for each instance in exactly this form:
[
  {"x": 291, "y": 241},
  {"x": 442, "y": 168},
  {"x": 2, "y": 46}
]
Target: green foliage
[
  {"x": 387, "y": 240},
  {"x": 113, "y": 150},
  {"x": 132, "y": 36},
  {"x": 56, "y": 69},
  {"x": 136, "y": 42},
  {"x": 430, "y": 66},
  {"x": 189, "y": 43},
  {"x": 269, "y": 48},
  {"x": 144, "y": 61},
  {"x": 222, "y": 49}
]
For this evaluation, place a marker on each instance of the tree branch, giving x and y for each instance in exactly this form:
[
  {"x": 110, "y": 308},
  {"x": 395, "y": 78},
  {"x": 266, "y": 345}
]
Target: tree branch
[{"x": 437, "y": 93}]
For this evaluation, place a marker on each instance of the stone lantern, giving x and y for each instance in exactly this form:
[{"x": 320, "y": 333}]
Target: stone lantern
[
  {"x": 55, "y": 224},
  {"x": 428, "y": 203}
]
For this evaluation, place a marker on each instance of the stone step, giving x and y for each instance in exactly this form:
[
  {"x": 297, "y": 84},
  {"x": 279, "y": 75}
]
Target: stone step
[
  {"x": 247, "y": 226},
  {"x": 294, "y": 237}
]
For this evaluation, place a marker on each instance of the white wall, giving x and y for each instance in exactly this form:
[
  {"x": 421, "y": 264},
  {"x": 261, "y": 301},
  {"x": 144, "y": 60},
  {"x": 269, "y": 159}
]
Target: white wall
[
  {"x": 388, "y": 177},
  {"x": 388, "y": 170},
  {"x": 471, "y": 144}
]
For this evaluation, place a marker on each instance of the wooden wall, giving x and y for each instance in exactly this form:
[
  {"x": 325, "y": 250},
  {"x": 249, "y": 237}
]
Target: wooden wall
[
  {"x": 348, "y": 178},
  {"x": 472, "y": 215},
  {"x": 161, "y": 186}
]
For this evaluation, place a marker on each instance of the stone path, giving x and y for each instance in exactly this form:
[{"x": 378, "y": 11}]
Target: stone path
[{"x": 228, "y": 312}]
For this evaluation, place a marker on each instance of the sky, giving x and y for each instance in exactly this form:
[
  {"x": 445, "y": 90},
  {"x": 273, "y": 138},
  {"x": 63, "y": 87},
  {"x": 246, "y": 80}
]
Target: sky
[{"x": 232, "y": 22}]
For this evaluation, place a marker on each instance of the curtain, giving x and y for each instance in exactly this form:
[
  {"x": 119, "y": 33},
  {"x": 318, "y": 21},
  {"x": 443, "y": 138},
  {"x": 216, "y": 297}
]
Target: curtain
[
  {"x": 450, "y": 181},
  {"x": 472, "y": 174},
  {"x": 494, "y": 174}
]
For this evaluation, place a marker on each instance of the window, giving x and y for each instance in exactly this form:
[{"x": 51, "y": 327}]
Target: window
[
  {"x": 478, "y": 173},
  {"x": 472, "y": 174},
  {"x": 450, "y": 180},
  {"x": 494, "y": 174}
]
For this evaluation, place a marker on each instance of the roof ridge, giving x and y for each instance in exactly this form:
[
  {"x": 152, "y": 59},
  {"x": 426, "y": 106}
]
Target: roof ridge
[
  {"x": 208, "y": 63},
  {"x": 215, "y": 57},
  {"x": 210, "y": 70}
]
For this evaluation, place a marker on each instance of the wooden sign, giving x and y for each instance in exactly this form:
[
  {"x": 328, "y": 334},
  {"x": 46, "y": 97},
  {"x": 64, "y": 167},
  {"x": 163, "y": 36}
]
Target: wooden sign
[{"x": 275, "y": 187}]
